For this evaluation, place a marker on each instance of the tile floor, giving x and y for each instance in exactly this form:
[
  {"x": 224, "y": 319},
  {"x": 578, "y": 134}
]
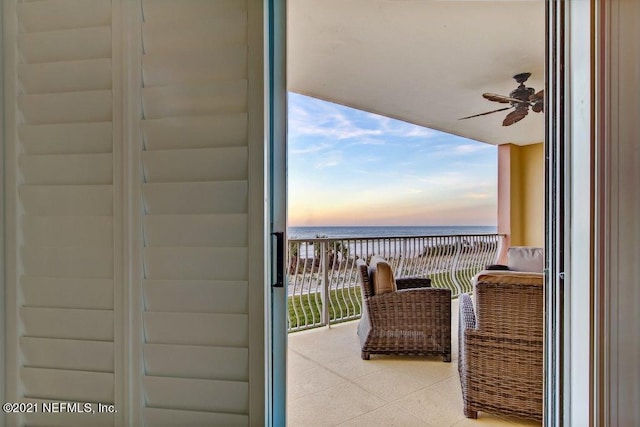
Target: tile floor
[{"x": 329, "y": 385}]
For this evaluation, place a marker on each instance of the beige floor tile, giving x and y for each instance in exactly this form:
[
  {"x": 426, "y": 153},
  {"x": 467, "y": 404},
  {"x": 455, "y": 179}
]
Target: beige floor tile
[
  {"x": 329, "y": 384},
  {"x": 331, "y": 406},
  {"x": 335, "y": 343},
  {"x": 302, "y": 383},
  {"x": 388, "y": 385},
  {"x": 427, "y": 371},
  {"x": 490, "y": 420},
  {"x": 353, "y": 366},
  {"x": 297, "y": 363},
  {"x": 388, "y": 416},
  {"x": 438, "y": 405}
]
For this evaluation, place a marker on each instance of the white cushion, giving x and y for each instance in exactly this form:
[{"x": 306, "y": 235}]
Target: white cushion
[{"x": 525, "y": 258}]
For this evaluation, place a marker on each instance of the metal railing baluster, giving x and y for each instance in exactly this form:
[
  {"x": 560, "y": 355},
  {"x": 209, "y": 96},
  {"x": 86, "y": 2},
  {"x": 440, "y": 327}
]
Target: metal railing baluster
[{"x": 323, "y": 284}]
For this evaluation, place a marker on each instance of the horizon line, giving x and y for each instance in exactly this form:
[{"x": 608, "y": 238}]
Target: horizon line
[{"x": 386, "y": 225}]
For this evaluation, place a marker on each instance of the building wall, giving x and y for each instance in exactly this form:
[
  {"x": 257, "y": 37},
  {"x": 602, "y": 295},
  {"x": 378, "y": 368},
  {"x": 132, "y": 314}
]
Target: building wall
[
  {"x": 521, "y": 194},
  {"x": 532, "y": 181},
  {"x": 618, "y": 204}
]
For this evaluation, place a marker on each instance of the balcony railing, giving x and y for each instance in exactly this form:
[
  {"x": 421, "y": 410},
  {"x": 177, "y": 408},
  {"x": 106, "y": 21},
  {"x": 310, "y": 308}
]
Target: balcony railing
[{"x": 323, "y": 286}]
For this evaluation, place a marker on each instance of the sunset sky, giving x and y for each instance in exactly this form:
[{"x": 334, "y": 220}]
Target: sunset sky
[{"x": 350, "y": 167}]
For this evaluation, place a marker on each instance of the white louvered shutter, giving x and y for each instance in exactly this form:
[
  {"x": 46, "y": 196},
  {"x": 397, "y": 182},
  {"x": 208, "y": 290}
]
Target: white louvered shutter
[
  {"x": 182, "y": 342},
  {"x": 65, "y": 196},
  {"x": 195, "y": 195}
]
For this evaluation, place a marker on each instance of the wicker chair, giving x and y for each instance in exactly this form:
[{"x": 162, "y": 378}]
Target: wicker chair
[
  {"x": 500, "y": 345},
  {"x": 414, "y": 320}
]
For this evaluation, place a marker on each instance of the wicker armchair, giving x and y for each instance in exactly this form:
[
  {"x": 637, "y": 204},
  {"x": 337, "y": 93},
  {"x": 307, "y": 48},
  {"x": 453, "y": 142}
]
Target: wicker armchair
[
  {"x": 500, "y": 345},
  {"x": 414, "y": 320}
]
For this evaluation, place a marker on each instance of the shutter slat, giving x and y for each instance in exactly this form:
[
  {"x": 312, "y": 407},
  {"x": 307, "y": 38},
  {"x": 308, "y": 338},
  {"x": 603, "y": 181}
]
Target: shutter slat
[
  {"x": 198, "y": 296},
  {"x": 176, "y": 418},
  {"x": 92, "y": 325},
  {"x": 197, "y": 394},
  {"x": 196, "y": 230},
  {"x": 65, "y": 167},
  {"x": 195, "y": 197},
  {"x": 193, "y": 263},
  {"x": 225, "y": 130},
  {"x": 68, "y": 169},
  {"x": 69, "y": 107},
  {"x": 63, "y": 14},
  {"x": 205, "y": 164},
  {"x": 65, "y": 45},
  {"x": 67, "y": 385},
  {"x": 222, "y": 330},
  {"x": 218, "y": 363},
  {"x": 67, "y": 262},
  {"x": 67, "y": 292},
  {"x": 165, "y": 11},
  {"x": 68, "y": 138},
  {"x": 226, "y": 30},
  {"x": 219, "y": 98},
  {"x": 70, "y": 76},
  {"x": 67, "y": 354},
  {"x": 194, "y": 67},
  {"x": 67, "y": 419},
  {"x": 67, "y": 199},
  {"x": 81, "y": 231}
]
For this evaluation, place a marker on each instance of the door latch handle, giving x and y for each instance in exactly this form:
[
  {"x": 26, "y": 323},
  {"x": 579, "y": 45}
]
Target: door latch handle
[{"x": 279, "y": 259}]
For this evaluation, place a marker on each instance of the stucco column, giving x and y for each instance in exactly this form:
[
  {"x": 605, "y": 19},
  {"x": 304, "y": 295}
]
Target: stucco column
[
  {"x": 505, "y": 186},
  {"x": 521, "y": 195}
]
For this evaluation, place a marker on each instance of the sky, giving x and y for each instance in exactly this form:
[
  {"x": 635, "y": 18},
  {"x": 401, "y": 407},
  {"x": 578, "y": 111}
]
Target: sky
[{"x": 350, "y": 167}]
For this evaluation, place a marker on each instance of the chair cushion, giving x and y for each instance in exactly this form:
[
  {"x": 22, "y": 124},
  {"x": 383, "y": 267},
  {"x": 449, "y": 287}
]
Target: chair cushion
[
  {"x": 525, "y": 258},
  {"x": 509, "y": 277},
  {"x": 381, "y": 276}
]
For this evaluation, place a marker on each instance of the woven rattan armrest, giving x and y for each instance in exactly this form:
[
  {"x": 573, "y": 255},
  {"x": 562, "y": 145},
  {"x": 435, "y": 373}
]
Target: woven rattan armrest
[
  {"x": 467, "y": 313},
  {"x": 500, "y": 345},
  {"x": 466, "y": 321},
  {"x": 414, "y": 320}
]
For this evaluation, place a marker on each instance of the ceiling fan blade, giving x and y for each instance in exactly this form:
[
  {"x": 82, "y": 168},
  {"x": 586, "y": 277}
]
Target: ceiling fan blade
[
  {"x": 498, "y": 98},
  {"x": 538, "y": 107},
  {"x": 514, "y": 117},
  {"x": 503, "y": 99},
  {"x": 537, "y": 97},
  {"x": 537, "y": 102},
  {"x": 488, "y": 112}
]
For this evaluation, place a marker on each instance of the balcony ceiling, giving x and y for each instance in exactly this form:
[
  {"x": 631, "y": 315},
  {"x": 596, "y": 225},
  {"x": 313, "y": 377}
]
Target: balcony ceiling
[{"x": 425, "y": 62}]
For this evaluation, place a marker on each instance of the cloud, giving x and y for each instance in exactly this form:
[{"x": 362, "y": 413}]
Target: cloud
[
  {"x": 469, "y": 148},
  {"x": 309, "y": 149},
  {"x": 343, "y": 160},
  {"x": 398, "y": 128},
  {"x": 477, "y": 195},
  {"x": 331, "y": 159},
  {"x": 317, "y": 118},
  {"x": 418, "y": 131},
  {"x": 413, "y": 190},
  {"x": 369, "y": 141},
  {"x": 313, "y": 117},
  {"x": 447, "y": 179}
]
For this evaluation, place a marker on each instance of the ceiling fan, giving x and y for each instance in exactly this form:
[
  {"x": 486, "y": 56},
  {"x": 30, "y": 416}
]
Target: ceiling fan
[{"x": 520, "y": 98}]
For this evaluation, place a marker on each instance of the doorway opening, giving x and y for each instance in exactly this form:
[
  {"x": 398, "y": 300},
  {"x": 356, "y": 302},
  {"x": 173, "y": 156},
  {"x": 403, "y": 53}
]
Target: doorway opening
[{"x": 404, "y": 70}]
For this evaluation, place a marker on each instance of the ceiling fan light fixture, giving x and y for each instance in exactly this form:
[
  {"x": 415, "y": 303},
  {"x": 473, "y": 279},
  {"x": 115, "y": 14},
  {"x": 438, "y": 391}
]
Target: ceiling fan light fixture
[{"x": 521, "y": 98}]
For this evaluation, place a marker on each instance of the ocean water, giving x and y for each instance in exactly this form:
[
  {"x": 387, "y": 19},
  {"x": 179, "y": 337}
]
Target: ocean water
[{"x": 386, "y": 231}]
